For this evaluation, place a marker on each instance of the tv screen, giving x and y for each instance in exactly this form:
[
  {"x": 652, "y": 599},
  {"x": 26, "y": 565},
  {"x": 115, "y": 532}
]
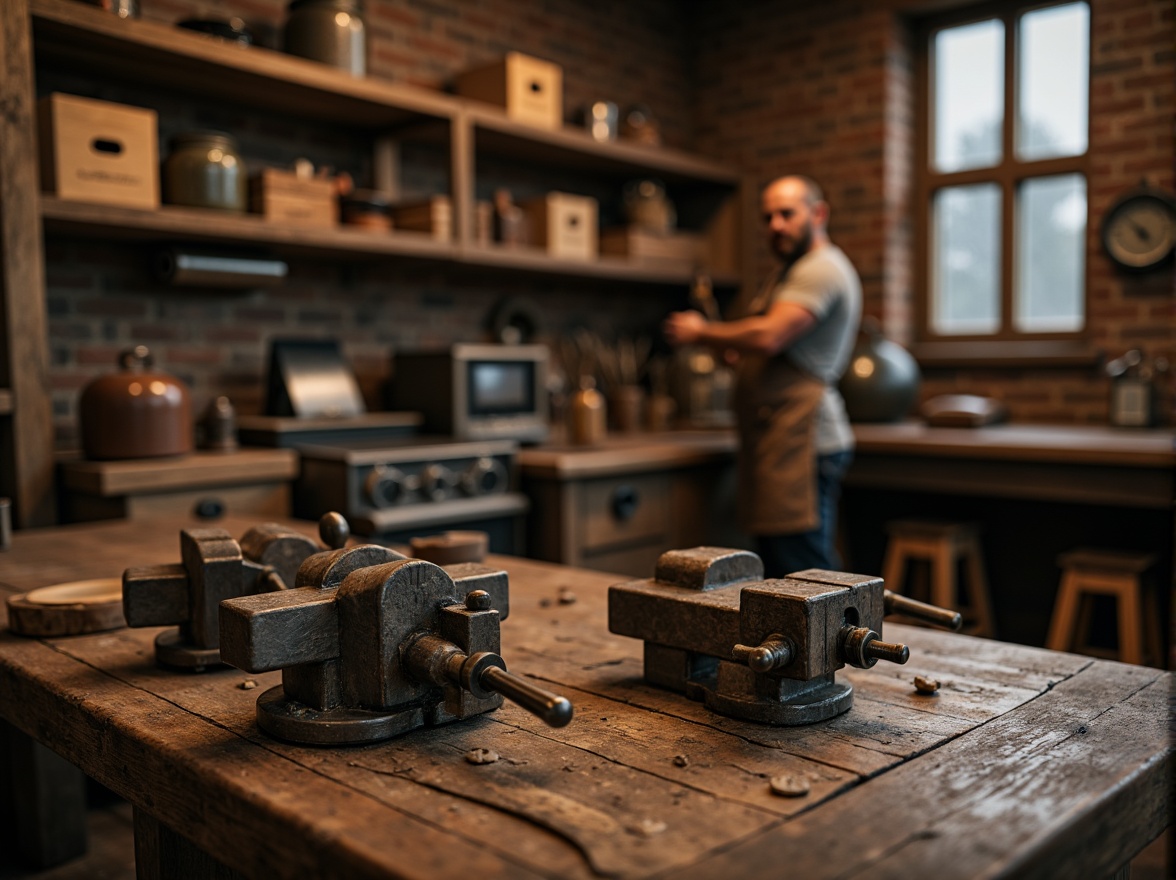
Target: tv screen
[{"x": 501, "y": 387}]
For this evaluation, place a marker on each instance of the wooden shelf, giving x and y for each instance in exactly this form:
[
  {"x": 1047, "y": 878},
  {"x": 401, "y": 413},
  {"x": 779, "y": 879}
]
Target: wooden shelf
[
  {"x": 85, "y": 37},
  {"x": 497, "y": 134},
  {"x": 170, "y": 224}
]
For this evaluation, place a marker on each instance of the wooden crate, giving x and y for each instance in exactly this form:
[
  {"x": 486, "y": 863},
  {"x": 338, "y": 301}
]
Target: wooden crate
[
  {"x": 529, "y": 89},
  {"x": 564, "y": 224},
  {"x": 433, "y": 215},
  {"x": 685, "y": 248},
  {"x": 282, "y": 197},
  {"x": 96, "y": 151}
]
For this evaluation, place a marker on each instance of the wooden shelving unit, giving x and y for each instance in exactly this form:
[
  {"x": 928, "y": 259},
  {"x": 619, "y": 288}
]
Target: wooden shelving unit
[{"x": 71, "y": 36}]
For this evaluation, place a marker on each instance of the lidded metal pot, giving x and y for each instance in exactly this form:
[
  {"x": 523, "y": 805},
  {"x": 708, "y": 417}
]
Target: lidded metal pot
[
  {"x": 136, "y": 412},
  {"x": 330, "y": 31},
  {"x": 204, "y": 170}
]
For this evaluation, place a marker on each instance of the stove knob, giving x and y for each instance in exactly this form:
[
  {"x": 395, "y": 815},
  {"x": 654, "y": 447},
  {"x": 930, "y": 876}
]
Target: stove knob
[
  {"x": 386, "y": 486},
  {"x": 484, "y": 477},
  {"x": 436, "y": 481}
]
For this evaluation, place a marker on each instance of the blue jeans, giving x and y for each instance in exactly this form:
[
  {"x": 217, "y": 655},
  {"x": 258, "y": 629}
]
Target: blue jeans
[{"x": 784, "y": 554}]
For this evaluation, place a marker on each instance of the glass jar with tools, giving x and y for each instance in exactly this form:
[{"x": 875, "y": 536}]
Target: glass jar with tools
[
  {"x": 330, "y": 31},
  {"x": 204, "y": 170}
]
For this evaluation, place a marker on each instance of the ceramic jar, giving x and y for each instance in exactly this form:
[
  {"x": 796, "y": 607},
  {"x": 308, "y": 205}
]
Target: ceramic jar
[
  {"x": 136, "y": 412},
  {"x": 588, "y": 414},
  {"x": 330, "y": 31},
  {"x": 204, "y": 170}
]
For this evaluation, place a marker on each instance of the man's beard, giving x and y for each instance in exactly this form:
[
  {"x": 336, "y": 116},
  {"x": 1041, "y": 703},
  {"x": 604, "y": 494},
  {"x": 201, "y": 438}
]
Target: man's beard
[{"x": 800, "y": 246}]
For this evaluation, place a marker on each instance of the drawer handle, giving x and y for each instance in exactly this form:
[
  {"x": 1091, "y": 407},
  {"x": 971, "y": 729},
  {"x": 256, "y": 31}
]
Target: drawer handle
[
  {"x": 624, "y": 502},
  {"x": 209, "y": 508}
]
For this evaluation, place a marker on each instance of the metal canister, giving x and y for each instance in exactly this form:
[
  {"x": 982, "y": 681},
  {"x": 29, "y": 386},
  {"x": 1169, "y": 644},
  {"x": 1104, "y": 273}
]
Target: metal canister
[
  {"x": 330, "y": 31},
  {"x": 204, "y": 170}
]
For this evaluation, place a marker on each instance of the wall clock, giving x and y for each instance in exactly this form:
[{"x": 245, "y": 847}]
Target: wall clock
[{"x": 1139, "y": 230}]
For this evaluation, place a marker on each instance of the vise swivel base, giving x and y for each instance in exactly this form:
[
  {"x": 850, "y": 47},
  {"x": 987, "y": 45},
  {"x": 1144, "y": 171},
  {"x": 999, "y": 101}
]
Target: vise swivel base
[
  {"x": 372, "y": 645},
  {"x": 760, "y": 650}
]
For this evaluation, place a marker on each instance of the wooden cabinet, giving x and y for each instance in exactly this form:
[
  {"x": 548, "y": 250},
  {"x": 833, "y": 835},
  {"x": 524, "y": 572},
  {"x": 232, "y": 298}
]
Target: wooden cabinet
[
  {"x": 619, "y": 506},
  {"x": 247, "y": 482},
  {"x": 70, "y": 36}
]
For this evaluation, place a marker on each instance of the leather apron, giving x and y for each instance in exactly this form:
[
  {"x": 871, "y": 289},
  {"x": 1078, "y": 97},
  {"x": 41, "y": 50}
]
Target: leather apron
[{"x": 776, "y": 411}]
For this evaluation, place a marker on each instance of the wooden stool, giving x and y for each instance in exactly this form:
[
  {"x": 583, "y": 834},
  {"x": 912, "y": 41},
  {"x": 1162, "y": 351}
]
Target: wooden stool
[
  {"x": 1088, "y": 572},
  {"x": 942, "y": 545}
]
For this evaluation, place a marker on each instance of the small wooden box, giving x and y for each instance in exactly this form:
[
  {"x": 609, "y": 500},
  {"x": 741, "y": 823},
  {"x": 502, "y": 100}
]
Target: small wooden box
[
  {"x": 282, "y": 197},
  {"x": 680, "y": 248},
  {"x": 529, "y": 89},
  {"x": 96, "y": 151},
  {"x": 564, "y": 224},
  {"x": 433, "y": 215}
]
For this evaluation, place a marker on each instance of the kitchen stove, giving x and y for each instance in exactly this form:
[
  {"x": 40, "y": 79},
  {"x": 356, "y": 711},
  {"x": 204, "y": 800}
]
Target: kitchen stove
[{"x": 395, "y": 489}]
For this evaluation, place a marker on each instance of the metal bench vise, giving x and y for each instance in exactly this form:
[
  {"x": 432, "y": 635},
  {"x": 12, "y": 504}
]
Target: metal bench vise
[
  {"x": 760, "y": 650},
  {"x": 372, "y": 645},
  {"x": 215, "y": 567}
]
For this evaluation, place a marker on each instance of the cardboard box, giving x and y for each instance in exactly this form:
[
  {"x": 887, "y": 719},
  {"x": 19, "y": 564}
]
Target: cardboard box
[
  {"x": 529, "y": 89},
  {"x": 564, "y": 224},
  {"x": 687, "y": 249},
  {"x": 433, "y": 215},
  {"x": 283, "y": 197},
  {"x": 96, "y": 151}
]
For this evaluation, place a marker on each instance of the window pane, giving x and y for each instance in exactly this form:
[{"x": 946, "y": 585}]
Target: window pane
[
  {"x": 966, "y": 262},
  {"x": 1051, "y": 232},
  {"x": 1053, "y": 82},
  {"x": 969, "y": 95}
]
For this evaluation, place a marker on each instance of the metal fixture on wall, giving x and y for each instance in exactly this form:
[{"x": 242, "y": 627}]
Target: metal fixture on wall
[{"x": 186, "y": 269}]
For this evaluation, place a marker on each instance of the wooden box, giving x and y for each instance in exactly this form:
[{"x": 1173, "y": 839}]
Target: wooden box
[
  {"x": 529, "y": 89},
  {"x": 96, "y": 151},
  {"x": 283, "y": 197},
  {"x": 433, "y": 215},
  {"x": 564, "y": 224},
  {"x": 679, "y": 248}
]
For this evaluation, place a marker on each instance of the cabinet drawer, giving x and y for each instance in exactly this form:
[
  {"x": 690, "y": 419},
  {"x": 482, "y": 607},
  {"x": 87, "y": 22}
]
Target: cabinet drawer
[{"x": 624, "y": 510}]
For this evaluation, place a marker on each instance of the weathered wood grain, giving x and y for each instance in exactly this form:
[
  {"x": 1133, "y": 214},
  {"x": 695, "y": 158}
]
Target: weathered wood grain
[{"x": 988, "y": 777}]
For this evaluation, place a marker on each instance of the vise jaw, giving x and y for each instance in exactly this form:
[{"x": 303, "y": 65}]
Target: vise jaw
[
  {"x": 372, "y": 645},
  {"x": 760, "y": 650},
  {"x": 214, "y": 567}
]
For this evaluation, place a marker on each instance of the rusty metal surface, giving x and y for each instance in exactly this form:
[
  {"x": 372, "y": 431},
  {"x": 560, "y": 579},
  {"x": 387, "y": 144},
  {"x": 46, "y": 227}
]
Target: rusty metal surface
[
  {"x": 372, "y": 644},
  {"x": 760, "y": 650},
  {"x": 214, "y": 567}
]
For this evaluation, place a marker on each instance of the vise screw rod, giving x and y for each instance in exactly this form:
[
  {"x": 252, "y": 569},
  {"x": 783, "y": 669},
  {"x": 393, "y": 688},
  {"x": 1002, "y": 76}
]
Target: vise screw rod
[
  {"x": 440, "y": 661},
  {"x": 896, "y": 603}
]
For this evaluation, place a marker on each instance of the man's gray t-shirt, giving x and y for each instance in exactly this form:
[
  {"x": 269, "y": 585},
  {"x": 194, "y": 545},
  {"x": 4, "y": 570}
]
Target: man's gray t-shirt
[{"x": 825, "y": 283}]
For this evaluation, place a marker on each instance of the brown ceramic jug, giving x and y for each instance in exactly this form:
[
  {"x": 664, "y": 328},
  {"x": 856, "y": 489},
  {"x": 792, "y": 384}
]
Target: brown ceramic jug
[{"x": 135, "y": 413}]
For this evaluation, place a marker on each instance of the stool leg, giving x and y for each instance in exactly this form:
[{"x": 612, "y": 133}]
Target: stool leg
[
  {"x": 892, "y": 568},
  {"x": 1061, "y": 627},
  {"x": 1130, "y": 622},
  {"x": 944, "y": 592},
  {"x": 978, "y": 584}
]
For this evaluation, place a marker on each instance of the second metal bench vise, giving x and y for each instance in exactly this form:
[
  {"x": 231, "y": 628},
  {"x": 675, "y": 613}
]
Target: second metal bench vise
[
  {"x": 760, "y": 650},
  {"x": 215, "y": 567},
  {"x": 372, "y": 644}
]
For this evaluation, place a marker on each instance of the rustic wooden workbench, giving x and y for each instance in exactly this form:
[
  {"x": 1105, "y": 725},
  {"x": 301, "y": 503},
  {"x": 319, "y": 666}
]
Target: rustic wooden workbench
[{"x": 1027, "y": 762}]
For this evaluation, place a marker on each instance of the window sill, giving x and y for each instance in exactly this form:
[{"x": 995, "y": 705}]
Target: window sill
[{"x": 1007, "y": 353}]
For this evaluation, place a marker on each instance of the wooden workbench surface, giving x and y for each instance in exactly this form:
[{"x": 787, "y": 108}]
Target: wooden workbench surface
[{"x": 1027, "y": 762}]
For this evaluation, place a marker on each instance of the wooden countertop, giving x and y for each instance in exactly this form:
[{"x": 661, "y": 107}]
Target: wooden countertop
[
  {"x": 242, "y": 466},
  {"x": 628, "y": 453},
  {"x": 1090, "y": 444},
  {"x": 1027, "y": 762}
]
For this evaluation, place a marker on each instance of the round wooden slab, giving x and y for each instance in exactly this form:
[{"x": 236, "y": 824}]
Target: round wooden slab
[
  {"x": 68, "y": 609},
  {"x": 451, "y": 547}
]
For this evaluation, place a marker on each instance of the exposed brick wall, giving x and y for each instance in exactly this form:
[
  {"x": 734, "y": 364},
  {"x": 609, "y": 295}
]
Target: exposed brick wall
[
  {"x": 827, "y": 90},
  {"x": 766, "y": 86},
  {"x": 102, "y": 298}
]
